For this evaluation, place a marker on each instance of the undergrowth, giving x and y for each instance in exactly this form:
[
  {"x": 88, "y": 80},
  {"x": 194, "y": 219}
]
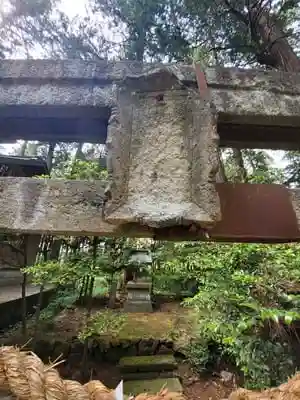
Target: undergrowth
[
  {"x": 63, "y": 299},
  {"x": 103, "y": 323},
  {"x": 244, "y": 310}
]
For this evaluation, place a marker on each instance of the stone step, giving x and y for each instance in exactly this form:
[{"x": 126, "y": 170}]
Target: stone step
[
  {"x": 137, "y": 376},
  {"x": 157, "y": 363},
  {"x": 137, "y": 306},
  {"x": 152, "y": 386}
]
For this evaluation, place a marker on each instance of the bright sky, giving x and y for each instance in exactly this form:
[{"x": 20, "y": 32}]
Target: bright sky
[{"x": 73, "y": 7}]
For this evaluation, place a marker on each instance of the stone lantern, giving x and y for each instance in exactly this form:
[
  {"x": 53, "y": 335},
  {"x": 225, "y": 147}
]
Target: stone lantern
[
  {"x": 139, "y": 264},
  {"x": 139, "y": 287}
]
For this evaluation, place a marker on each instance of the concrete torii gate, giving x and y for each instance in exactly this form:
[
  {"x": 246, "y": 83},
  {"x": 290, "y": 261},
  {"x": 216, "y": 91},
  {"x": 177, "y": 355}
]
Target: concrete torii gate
[{"x": 162, "y": 125}]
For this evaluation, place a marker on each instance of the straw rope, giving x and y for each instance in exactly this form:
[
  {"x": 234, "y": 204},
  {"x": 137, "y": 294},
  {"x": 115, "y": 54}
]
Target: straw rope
[
  {"x": 24, "y": 375},
  {"x": 287, "y": 391}
]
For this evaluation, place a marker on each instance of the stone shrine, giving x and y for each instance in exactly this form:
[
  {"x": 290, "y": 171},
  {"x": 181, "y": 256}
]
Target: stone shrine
[
  {"x": 139, "y": 289},
  {"x": 138, "y": 297}
]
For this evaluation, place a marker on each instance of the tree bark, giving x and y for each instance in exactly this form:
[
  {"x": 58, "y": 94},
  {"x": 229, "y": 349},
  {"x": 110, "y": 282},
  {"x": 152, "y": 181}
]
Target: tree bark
[
  {"x": 221, "y": 175},
  {"x": 112, "y": 292},
  {"x": 47, "y": 240},
  {"x": 238, "y": 158},
  {"x": 84, "y": 366},
  {"x": 78, "y": 156},
  {"x": 50, "y": 156},
  {"x": 267, "y": 33},
  {"x": 282, "y": 56},
  {"x": 24, "y": 284},
  {"x": 23, "y": 149},
  {"x": 82, "y": 291}
]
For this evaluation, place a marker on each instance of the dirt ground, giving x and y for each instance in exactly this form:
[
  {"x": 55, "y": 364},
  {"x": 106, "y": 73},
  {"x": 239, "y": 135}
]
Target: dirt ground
[
  {"x": 203, "y": 387},
  {"x": 207, "y": 390}
]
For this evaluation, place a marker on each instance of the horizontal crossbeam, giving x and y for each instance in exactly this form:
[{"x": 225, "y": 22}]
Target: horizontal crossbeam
[
  {"x": 72, "y": 100},
  {"x": 250, "y": 212}
]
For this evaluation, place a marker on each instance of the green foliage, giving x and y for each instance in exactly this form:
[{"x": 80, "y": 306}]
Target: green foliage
[
  {"x": 242, "y": 304},
  {"x": 154, "y": 29},
  {"x": 70, "y": 271},
  {"x": 82, "y": 169},
  {"x": 100, "y": 286},
  {"x": 103, "y": 323},
  {"x": 256, "y": 166},
  {"x": 63, "y": 299},
  {"x": 198, "y": 354},
  {"x": 292, "y": 170},
  {"x": 146, "y": 30}
]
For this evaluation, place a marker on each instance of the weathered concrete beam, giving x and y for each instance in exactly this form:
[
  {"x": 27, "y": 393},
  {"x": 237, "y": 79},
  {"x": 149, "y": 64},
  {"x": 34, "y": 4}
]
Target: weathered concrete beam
[
  {"x": 71, "y": 100},
  {"x": 256, "y": 109},
  {"x": 250, "y": 212},
  {"x": 78, "y": 71},
  {"x": 31, "y": 205}
]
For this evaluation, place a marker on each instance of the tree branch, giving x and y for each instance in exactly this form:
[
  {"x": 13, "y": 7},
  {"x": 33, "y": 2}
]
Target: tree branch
[{"x": 220, "y": 48}]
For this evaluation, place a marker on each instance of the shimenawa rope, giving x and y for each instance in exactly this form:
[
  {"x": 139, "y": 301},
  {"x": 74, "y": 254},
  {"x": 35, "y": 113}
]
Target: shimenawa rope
[{"x": 24, "y": 375}]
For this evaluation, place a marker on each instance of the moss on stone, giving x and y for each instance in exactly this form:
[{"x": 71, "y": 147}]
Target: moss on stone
[
  {"x": 148, "y": 363},
  {"x": 152, "y": 386},
  {"x": 176, "y": 325}
]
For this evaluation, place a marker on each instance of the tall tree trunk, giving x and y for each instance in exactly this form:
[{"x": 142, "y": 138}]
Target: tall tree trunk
[
  {"x": 50, "y": 156},
  {"x": 242, "y": 172},
  {"x": 46, "y": 241},
  {"x": 86, "y": 290},
  {"x": 270, "y": 38},
  {"x": 266, "y": 28},
  {"x": 267, "y": 33},
  {"x": 84, "y": 366},
  {"x": 79, "y": 154},
  {"x": 113, "y": 287},
  {"x": 23, "y": 148},
  {"x": 139, "y": 46},
  {"x": 221, "y": 174},
  {"x": 24, "y": 284},
  {"x": 82, "y": 287}
]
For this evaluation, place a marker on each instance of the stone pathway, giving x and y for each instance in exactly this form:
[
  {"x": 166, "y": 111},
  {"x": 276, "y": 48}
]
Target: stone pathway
[{"x": 149, "y": 374}]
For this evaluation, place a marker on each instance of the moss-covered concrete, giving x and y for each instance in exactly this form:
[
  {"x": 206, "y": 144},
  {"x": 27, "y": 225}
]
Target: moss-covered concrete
[
  {"x": 142, "y": 376},
  {"x": 164, "y": 362},
  {"x": 114, "y": 334},
  {"x": 152, "y": 386}
]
